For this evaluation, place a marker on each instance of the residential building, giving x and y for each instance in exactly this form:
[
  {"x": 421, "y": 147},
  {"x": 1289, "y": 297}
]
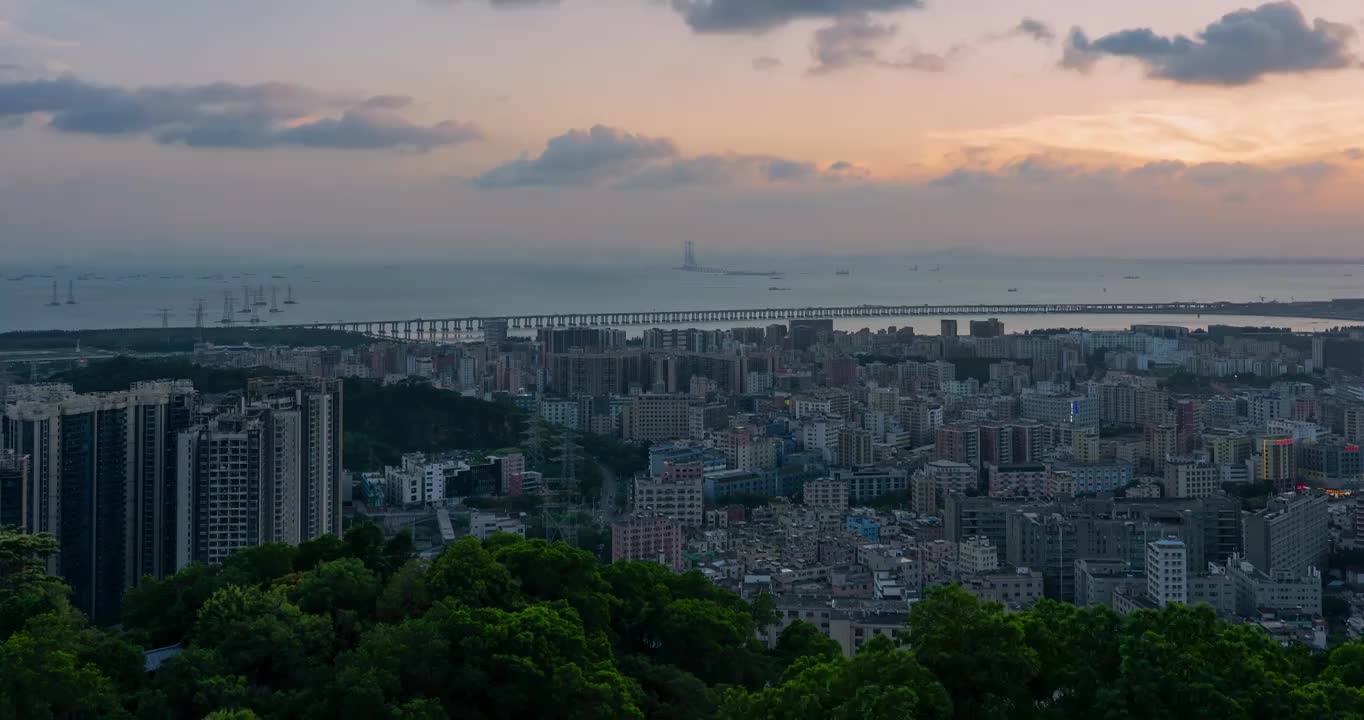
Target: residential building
[
  {"x": 677, "y": 493},
  {"x": 958, "y": 443},
  {"x": 1167, "y": 572},
  {"x": 1226, "y": 447},
  {"x": 1191, "y": 478},
  {"x": 1291, "y": 534},
  {"x": 1353, "y": 424},
  {"x": 991, "y": 328},
  {"x": 1331, "y": 462},
  {"x": 1283, "y": 590},
  {"x": 223, "y": 474},
  {"x": 1022, "y": 480},
  {"x": 976, "y": 555},
  {"x": 101, "y": 478},
  {"x": 416, "y": 481},
  {"x": 1076, "y": 410},
  {"x": 1278, "y": 466},
  {"x": 934, "y": 482},
  {"x": 868, "y": 483},
  {"x": 14, "y": 486},
  {"x": 648, "y": 538},
  {"x": 319, "y": 404},
  {"x": 1015, "y": 589},
  {"x": 656, "y": 418},
  {"x": 830, "y": 494},
  {"x": 866, "y": 527}
]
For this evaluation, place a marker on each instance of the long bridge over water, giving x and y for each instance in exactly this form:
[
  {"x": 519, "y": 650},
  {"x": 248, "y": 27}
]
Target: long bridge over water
[{"x": 433, "y": 328}]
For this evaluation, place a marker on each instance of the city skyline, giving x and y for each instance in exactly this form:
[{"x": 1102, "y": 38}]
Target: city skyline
[{"x": 431, "y": 129}]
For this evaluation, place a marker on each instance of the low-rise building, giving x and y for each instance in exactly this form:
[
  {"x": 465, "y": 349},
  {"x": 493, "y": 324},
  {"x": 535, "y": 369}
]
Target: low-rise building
[
  {"x": 649, "y": 538},
  {"x": 830, "y": 494},
  {"x": 484, "y": 525}
]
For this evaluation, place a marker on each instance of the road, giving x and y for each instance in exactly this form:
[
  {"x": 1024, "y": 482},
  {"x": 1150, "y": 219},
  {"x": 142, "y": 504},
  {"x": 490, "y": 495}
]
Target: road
[{"x": 607, "y": 512}]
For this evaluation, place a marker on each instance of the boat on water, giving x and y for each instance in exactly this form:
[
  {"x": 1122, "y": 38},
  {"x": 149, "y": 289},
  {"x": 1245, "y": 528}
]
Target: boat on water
[
  {"x": 1131, "y": 277},
  {"x": 1013, "y": 289},
  {"x": 778, "y": 289},
  {"x": 935, "y": 268},
  {"x": 914, "y": 268},
  {"x": 842, "y": 271}
]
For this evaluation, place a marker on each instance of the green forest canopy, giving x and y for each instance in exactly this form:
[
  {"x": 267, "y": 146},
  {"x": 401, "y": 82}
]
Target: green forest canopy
[{"x": 509, "y": 628}]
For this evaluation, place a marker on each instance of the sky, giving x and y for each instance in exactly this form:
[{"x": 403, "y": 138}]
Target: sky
[{"x": 592, "y": 129}]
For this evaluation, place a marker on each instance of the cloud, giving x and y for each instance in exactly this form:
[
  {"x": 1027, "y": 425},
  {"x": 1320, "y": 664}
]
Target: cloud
[
  {"x": 728, "y": 169},
  {"x": 1239, "y": 49},
  {"x": 225, "y": 115},
  {"x": 1221, "y": 181},
  {"x": 504, "y": 4},
  {"x": 855, "y": 40},
  {"x": 609, "y": 156},
  {"x": 1035, "y": 29},
  {"x": 1354, "y": 153},
  {"x": 759, "y": 16},
  {"x": 765, "y": 63},
  {"x": 14, "y": 36},
  {"x": 581, "y": 157},
  {"x": 844, "y": 170}
]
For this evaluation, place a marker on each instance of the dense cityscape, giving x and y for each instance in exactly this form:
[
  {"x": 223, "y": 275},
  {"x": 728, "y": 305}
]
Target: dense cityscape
[
  {"x": 681, "y": 360},
  {"x": 836, "y": 478}
]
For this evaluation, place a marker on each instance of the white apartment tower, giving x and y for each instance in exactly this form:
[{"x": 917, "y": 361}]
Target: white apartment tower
[{"x": 1167, "y": 572}]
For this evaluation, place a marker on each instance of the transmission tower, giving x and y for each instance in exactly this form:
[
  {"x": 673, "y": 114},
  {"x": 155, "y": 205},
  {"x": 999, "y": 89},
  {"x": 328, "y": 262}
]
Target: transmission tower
[
  {"x": 228, "y": 317},
  {"x": 561, "y": 509},
  {"x": 200, "y": 308},
  {"x": 535, "y": 439},
  {"x": 568, "y": 468},
  {"x": 165, "y": 314}
]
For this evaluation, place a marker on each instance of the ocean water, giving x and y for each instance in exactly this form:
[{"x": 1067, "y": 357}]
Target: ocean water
[{"x": 132, "y": 295}]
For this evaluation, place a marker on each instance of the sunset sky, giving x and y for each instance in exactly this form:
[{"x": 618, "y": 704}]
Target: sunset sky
[{"x": 450, "y": 129}]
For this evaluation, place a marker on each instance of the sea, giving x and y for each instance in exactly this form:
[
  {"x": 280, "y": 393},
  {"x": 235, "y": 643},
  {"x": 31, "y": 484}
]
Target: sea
[{"x": 145, "y": 295}]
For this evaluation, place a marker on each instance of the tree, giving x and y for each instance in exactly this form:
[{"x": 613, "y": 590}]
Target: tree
[
  {"x": 261, "y": 564},
  {"x": 364, "y": 541},
  {"x": 164, "y": 610},
  {"x": 340, "y": 585},
  {"x": 668, "y": 692},
  {"x": 801, "y": 640},
  {"x": 1078, "y": 653},
  {"x": 263, "y": 637},
  {"x": 1181, "y": 663},
  {"x": 26, "y": 590},
  {"x": 709, "y": 640},
  {"x": 467, "y": 572},
  {"x": 765, "y": 613},
  {"x": 486, "y": 662},
  {"x": 977, "y": 652},
  {"x": 398, "y": 551},
  {"x": 317, "y": 551},
  {"x": 559, "y": 571},
  {"x": 42, "y": 673},
  {"x": 192, "y": 684},
  {"x": 406, "y": 595},
  {"x": 881, "y": 683}
]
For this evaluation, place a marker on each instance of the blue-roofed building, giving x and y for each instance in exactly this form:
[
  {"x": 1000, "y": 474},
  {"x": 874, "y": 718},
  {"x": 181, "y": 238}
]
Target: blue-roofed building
[{"x": 867, "y": 527}]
